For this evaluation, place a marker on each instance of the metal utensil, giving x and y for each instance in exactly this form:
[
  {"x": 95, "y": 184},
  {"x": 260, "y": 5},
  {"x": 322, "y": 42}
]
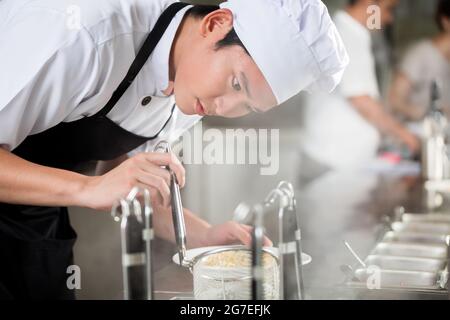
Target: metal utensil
[
  {"x": 289, "y": 241},
  {"x": 242, "y": 213},
  {"x": 354, "y": 254},
  {"x": 177, "y": 207},
  {"x": 136, "y": 232}
]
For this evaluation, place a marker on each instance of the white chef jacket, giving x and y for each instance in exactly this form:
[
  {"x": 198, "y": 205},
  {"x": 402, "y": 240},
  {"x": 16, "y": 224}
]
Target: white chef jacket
[
  {"x": 333, "y": 132},
  {"x": 57, "y": 68}
]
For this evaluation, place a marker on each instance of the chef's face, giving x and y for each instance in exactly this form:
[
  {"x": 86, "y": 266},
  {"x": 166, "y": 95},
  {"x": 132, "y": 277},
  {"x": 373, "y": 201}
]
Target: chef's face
[{"x": 219, "y": 81}]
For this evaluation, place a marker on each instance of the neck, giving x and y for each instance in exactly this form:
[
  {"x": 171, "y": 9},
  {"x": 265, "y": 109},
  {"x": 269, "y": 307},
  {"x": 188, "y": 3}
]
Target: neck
[
  {"x": 359, "y": 13},
  {"x": 442, "y": 42}
]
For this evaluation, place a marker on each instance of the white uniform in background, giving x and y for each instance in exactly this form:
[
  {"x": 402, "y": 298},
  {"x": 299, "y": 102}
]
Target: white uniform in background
[
  {"x": 333, "y": 132},
  {"x": 423, "y": 64},
  {"x": 44, "y": 83}
]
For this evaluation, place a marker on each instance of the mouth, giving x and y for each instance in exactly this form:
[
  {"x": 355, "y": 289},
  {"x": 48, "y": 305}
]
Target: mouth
[{"x": 199, "y": 109}]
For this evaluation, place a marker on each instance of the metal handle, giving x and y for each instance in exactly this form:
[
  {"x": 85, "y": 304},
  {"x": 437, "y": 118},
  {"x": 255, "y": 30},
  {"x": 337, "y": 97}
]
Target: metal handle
[
  {"x": 289, "y": 242},
  {"x": 177, "y": 208},
  {"x": 257, "y": 252},
  {"x": 136, "y": 241}
]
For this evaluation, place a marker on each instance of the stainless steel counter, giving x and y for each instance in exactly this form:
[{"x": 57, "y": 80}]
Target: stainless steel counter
[{"x": 333, "y": 208}]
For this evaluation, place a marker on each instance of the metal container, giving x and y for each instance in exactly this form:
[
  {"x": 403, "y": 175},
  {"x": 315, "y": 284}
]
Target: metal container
[
  {"x": 421, "y": 227},
  {"x": 399, "y": 279},
  {"x": 215, "y": 279},
  {"x": 411, "y": 250},
  {"x": 433, "y": 158},
  {"x": 426, "y": 217},
  {"x": 405, "y": 263},
  {"x": 434, "y": 153},
  {"x": 415, "y": 237}
]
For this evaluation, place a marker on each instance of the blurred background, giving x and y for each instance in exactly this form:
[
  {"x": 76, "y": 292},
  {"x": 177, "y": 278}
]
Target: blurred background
[{"x": 213, "y": 191}]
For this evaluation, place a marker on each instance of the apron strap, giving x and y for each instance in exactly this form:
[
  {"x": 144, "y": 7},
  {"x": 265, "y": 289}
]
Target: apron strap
[{"x": 143, "y": 54}]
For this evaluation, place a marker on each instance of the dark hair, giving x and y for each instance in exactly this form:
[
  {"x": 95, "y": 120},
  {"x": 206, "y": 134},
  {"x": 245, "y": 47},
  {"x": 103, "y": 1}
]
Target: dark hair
[
  {"x": 230, "y": 39},
  {"x": 352, "y": 2},
  {"x": 443, "y": 10}
]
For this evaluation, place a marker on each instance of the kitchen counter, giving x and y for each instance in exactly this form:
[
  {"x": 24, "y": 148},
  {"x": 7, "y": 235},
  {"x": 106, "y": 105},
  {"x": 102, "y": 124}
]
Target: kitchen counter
[{"x": 332, "y": 208}]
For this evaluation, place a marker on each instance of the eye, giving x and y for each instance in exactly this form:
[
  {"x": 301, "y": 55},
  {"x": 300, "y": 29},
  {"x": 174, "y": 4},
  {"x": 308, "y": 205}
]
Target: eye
[{"x": 235, "y": 84}]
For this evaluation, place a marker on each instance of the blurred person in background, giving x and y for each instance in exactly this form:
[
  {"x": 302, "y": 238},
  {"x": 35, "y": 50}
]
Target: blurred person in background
[
  {"x": 425, "y": 62},
  {"x": 342, "y": 130}
]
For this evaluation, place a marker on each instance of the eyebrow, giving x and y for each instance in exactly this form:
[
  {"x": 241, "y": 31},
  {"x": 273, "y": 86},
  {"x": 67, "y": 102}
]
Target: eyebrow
[{"x": 247, "y": 90}]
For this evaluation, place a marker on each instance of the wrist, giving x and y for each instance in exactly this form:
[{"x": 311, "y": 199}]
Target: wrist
[
  {"x": 201, "y": 238},
  {"x": 82, "y": 192}
]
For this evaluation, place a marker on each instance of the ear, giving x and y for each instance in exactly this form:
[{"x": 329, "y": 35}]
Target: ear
[{"x": 217, "y": 24}]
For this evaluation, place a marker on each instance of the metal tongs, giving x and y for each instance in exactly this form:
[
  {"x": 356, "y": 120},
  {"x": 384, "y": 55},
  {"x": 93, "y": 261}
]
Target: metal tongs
[
  {"x": 289, "y": 243},
  {"x": 289, "y": 234},
  {"x": 177, "y": 208},
  {"x": 136, "y": 233}
]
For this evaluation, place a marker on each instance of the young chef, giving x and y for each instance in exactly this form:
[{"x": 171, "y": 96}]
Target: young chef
[
  {"x": 342, "y": 130},
  {"x": 101, "y": 86}
]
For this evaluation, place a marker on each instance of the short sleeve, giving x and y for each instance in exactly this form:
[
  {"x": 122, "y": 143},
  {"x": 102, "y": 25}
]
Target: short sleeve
[
  {"x": 412, "y": 63},
  {"x": 359, "y": 78},
  {"x": 47, "y": 69}
]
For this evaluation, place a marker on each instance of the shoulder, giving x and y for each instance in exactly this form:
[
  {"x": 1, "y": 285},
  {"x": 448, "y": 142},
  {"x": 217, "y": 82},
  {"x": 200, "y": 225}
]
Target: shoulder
[
  {"x": 420, "y": 49},
  {"x": 102, "y": 19}
]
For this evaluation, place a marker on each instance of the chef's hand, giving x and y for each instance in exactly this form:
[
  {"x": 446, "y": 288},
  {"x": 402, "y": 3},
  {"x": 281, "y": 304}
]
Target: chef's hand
[
  {"x": 230, "y": 233},
  {"x": 143, "y": 170}
]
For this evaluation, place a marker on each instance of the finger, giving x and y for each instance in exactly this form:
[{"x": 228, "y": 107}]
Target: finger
[
  {"x": 157, "y": 200},
  {"x": 156, "y": 171},
  {"x": 267, "y": 242},
  {"x": 177, "y": 168},
  {"x": 241, "y": 234},
  {"x": 156, "y": 182},
  {"x": 155, "y": 197},
  {"x": 170, "y": 160}
]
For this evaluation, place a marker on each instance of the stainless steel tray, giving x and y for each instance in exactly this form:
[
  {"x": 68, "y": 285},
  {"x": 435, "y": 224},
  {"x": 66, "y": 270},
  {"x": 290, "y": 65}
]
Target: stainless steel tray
[
  {"x": 415, "y": 237},
  {"x": 402, "y": 279},
  {"x": 405, "y": 263},
  {"x": 411, "y": 250},
  {"x": 411, "y": 257},
  {"x": 427, "y": 217},
  {"x": 422, "y": 227}
]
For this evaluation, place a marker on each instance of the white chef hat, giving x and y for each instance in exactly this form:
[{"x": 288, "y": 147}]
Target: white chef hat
[{"x": 294, "y": 43}]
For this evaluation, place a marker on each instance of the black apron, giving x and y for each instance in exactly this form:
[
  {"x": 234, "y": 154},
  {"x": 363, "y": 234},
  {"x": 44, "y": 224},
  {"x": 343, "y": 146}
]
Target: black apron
[{"x": 36, "y": 242}]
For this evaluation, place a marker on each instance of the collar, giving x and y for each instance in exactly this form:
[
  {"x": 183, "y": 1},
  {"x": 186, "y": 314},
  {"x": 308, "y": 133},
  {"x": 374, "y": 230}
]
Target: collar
[{"x": 160, "y": 57}]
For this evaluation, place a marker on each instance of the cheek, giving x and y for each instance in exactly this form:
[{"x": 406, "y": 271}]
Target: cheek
[
  {"x": 212, "y": 77},
  {"x": 203, "y": 78}
]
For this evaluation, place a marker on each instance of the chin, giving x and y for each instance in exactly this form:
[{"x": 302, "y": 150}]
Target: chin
[{"x": 184, "y": 107}]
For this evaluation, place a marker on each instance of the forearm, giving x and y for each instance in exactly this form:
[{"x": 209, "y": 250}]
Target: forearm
[
  {"x": 195, "y": 227},
  {"x": 374, "y": 112},
  {"x": 23, "y": 182},
  {"x": 408, "y": 111}
]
